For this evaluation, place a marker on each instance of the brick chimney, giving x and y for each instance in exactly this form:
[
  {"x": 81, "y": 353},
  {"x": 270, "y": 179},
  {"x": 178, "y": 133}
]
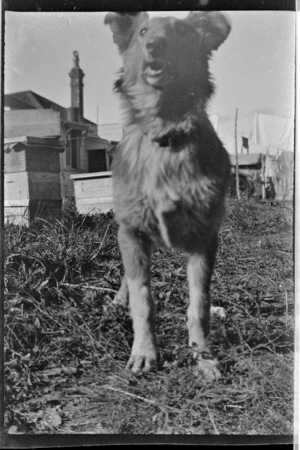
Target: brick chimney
[{"x": 76, "y": 75}]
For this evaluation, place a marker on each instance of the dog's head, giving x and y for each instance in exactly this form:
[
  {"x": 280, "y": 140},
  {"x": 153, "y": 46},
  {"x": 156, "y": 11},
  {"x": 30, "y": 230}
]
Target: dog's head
[{"x": 163, "y": 50}]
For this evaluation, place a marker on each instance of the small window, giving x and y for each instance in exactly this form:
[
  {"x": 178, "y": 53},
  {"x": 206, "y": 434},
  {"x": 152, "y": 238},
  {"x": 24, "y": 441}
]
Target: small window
[{"x": 97, "y": 161}]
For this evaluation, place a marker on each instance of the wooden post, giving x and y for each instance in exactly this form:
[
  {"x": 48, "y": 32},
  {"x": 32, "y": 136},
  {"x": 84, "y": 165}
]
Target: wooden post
[
  {"x": 236, "y": 158},
  {"x": 107, "y": 160},
  {"x": 263, "y": 170}
]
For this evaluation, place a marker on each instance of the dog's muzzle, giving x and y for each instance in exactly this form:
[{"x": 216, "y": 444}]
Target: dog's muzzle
[
  {"x": 155, "y": 65},
  {"x": 156, "y": 73}
]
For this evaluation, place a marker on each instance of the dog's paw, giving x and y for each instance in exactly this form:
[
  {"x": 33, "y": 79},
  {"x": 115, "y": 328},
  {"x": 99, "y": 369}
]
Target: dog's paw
[
  {"x": 142, "y": 363},
  {"x": 207, "y": 367},
  {"x": 144, "y": 353}
]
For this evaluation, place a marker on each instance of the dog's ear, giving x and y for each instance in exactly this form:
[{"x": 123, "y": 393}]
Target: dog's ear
[
  {"x": 212, "y": 26},
  {"x": 123, "y": 26}
]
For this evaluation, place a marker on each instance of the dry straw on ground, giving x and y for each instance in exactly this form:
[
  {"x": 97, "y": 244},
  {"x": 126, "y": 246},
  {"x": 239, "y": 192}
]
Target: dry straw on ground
[{"x": 66, "y": 349}]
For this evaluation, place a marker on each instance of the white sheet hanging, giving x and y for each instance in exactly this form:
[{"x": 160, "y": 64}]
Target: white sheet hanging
[{"x": 273, "y": 131}]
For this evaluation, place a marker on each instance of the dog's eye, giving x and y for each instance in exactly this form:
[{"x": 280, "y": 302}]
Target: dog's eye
[{"x": 143, "y": 31}]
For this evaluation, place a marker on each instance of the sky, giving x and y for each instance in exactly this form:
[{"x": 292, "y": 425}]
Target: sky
[{"x": 253, "y": 69}]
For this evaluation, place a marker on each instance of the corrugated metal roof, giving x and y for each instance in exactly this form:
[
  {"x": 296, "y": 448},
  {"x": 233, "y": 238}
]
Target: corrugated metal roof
[{"x": 95, "y": 143}]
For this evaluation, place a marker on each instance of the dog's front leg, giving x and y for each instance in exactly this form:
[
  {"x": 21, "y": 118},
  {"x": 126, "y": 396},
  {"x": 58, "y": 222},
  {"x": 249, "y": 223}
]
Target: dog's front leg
[
  {"x": 199, "y": 270},
  {"x": 135, "y": 250}
]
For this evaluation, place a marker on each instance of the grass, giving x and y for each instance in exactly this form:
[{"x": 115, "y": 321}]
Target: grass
[{"x": 66, "y": 350}]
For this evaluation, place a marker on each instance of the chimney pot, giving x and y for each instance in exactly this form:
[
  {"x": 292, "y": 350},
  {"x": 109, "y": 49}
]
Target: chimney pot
[{"x": 76, "y": 74}]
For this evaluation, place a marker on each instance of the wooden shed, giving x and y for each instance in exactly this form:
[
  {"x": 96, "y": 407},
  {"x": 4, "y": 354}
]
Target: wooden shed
[{"x": 32, "y": 178}]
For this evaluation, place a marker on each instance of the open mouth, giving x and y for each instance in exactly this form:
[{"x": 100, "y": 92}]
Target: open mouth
[
  {"x": 154, "y": 69},
  {"x": 154, "y": 73}
]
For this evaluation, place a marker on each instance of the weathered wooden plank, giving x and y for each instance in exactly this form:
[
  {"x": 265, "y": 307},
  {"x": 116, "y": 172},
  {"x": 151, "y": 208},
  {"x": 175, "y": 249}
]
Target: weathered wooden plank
[
  {"x": 31, "y": 159},
  {"x": 94, "y": 206},
  {"x": 20, "y": 202},
  {"x": 98, "y": 175},
  {"x": 93, "y": 186},
  {"x": 95, "y": 200},
  {"x": 97, "y": 182},
  {"x": 16, "y": 186},
  {"x": 33, "y": 185},
  {"x": 92, "y": 190},
  {"x": 15, "y": 160}
]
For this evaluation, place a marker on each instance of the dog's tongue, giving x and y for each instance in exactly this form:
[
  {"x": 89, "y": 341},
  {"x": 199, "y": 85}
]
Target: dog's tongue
[{"x": 156, "y": 65}]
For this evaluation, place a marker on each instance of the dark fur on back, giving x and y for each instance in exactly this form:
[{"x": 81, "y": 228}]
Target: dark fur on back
[{"x": 170, "y": 170}]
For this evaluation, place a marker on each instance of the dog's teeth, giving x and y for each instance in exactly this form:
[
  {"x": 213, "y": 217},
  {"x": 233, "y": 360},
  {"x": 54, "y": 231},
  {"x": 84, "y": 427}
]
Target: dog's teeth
[{"x": 154, "y": 72}]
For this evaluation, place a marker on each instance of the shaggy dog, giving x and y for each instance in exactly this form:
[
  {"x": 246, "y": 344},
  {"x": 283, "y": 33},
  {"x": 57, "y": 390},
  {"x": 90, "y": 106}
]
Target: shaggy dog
[{"x": 170, "y": 170}]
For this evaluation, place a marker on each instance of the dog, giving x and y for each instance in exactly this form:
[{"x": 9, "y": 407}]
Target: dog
[{"x": 170, "y": 170}]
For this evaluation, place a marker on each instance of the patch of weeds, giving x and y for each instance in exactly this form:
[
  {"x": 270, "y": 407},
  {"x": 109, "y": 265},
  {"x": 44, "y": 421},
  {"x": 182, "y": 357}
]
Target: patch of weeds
[{"x": 66, "y": 348}]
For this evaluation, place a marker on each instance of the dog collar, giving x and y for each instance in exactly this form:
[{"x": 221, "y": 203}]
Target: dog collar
[{"x": 172, "y": 139}]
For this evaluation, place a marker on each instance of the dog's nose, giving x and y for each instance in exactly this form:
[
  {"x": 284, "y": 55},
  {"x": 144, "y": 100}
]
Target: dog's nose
[{"x": 156, "y": 46}]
